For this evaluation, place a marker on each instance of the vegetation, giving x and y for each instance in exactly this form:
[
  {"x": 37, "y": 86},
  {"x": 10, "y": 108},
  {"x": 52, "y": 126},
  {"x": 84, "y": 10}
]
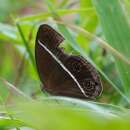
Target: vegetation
[{"x": 99, "y": 30}]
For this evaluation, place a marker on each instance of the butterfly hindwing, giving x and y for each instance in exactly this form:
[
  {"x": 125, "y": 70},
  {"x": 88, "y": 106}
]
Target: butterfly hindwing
[{"x": 85, "y": 74}]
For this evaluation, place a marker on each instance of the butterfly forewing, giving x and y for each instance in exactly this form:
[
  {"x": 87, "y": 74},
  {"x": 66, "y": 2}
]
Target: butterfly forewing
[{"x": 45, "y": 63}]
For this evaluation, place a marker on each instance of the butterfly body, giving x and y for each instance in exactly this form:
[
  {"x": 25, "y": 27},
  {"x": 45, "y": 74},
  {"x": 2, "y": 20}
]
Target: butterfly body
[{"x": 55, "y": 79}]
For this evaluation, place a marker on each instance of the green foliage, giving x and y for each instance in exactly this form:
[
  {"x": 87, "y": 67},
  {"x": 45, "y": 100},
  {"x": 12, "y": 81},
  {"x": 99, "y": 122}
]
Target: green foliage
[
  {"x": 79, "y": 22},
  {"x": 117, "y": 32}
]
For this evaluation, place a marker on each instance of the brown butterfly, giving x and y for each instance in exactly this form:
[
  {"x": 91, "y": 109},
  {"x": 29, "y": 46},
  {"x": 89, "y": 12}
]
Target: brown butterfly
[{"x": 63, "y": 74}]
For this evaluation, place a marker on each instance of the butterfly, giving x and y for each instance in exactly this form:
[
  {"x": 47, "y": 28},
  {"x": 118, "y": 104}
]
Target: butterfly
[{"x": 63, "y": 74}]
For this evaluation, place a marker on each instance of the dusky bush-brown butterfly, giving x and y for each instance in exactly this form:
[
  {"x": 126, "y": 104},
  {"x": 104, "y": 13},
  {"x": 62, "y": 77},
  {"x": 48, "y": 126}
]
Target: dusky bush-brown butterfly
[{"x": 55, "y": 79}]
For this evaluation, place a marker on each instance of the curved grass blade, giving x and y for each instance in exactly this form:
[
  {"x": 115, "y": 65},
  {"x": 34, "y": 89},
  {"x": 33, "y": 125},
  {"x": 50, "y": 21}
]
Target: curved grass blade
[{"x": 41, "y": 16}]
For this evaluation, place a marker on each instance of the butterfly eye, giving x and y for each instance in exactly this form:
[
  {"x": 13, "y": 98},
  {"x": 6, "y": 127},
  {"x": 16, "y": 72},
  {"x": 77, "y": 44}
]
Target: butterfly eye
[{"x": 88, "y": 85}]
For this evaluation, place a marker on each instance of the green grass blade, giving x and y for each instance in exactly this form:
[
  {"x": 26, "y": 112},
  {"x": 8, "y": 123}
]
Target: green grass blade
[
  {"x": 26, "y": 45},
  {"x": 88, "y": 19},
  {"x": 41, "y": 16},
  {"x": 117, "y": 33},
  {"x": 64, "y": 117},
  {"x": 9, "y": 123}
]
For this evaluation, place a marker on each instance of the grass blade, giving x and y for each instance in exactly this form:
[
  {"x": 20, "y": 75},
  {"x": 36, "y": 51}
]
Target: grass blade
[
  {"x": 117, "y": 33},
  {"x": 26, "y": 45}
]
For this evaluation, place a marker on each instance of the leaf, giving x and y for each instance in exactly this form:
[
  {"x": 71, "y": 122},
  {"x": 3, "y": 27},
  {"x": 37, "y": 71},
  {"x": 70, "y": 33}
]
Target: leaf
[{"x": 63, "y": 117}]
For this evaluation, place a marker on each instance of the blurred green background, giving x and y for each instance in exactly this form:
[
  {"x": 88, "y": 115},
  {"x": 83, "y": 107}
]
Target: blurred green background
[{"x": 101, "y": 35}]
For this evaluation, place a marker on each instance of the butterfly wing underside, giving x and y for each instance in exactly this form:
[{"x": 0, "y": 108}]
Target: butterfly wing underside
[{"x": 55, "y": 79}]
